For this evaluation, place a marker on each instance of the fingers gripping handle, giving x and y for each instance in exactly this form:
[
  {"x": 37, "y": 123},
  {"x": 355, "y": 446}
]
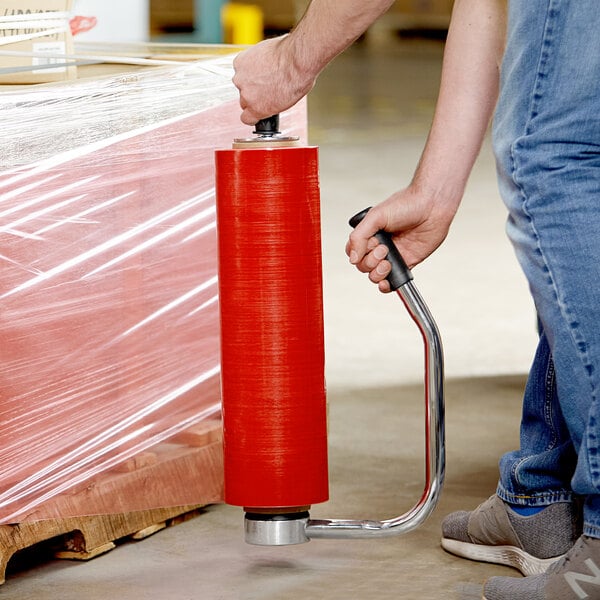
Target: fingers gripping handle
[{"x": 400, "y": 273}]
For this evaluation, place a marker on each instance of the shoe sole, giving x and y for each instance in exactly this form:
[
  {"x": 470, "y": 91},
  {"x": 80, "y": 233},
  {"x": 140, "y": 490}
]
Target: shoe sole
[{"x": 510, "y": 556}]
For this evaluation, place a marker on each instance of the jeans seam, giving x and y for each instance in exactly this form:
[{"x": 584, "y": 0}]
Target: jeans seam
[
  {"x": 536, "y": 96},
  {"x": 550, "y": 388},
  {"x": 515, "y": 468},
  {"x": 536, "y": 93},
  {"x": 536, "y": 498}
]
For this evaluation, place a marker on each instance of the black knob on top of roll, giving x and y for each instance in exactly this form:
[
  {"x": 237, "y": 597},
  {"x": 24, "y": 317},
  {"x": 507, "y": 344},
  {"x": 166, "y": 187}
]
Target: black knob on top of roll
[
  {"x": 400, "y": 273},
  {"x": 268, "y": 126}
]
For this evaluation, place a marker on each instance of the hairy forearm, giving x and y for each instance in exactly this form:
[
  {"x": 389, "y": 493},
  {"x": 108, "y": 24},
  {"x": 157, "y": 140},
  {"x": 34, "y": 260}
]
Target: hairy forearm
[
  {"x": 468, "y": 94},
  {"x": 275, "y": 74},
  {"x": 419, "y": 217},
  {"x": 328, "y": 27}
]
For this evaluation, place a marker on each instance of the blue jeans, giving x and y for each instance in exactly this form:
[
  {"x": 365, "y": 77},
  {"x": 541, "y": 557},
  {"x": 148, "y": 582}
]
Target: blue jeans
[{"x": 547, "y": 145}]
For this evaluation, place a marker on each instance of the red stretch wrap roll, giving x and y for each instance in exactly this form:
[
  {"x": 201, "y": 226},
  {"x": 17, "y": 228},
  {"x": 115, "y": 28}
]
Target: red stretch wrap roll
[{"x": 272, "y": 343}]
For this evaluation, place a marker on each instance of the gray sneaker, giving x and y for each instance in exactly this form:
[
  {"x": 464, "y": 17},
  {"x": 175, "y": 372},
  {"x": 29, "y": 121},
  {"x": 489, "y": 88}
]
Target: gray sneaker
[
  {"x": 574, "y": 577},
  {"x": 495, "y": 533}
]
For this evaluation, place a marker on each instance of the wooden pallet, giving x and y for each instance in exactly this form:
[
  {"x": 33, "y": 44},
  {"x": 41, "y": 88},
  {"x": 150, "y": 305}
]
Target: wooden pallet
[
  {"x": 189, "y": 467},
  {"x": 84, "y": 538}
]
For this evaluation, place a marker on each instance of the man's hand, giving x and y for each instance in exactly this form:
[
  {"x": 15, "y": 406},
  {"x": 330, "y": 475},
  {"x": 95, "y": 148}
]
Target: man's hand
[
  {"x": 269, "y": 80},
  {"x": 417, "y": 223}
]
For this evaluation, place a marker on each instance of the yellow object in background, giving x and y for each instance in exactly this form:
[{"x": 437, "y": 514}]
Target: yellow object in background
[{"x": 242, "y": 23}]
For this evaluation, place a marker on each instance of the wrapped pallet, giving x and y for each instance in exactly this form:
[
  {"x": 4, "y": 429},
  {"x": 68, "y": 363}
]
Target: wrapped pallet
[{"x": 109, "y": 332}]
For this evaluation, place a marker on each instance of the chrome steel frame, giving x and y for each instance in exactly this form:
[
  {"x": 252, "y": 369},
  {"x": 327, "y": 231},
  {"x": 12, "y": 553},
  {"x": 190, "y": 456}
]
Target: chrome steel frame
[
  {"x": 434, "y": 439},
  {"x": 290, "y": 532}
]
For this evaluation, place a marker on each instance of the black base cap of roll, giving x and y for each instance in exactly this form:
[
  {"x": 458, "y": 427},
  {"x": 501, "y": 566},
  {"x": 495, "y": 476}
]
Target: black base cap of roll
[{"x": 278, "y": 517}]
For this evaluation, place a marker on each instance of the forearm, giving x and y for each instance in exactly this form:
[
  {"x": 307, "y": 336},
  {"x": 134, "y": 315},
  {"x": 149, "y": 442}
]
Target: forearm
[
  {"x": 419, "y": 216},
  {"x": 329, "y": 27},
  {"x": 468, "y": 94},
  {"x": 275, "y": 74}
]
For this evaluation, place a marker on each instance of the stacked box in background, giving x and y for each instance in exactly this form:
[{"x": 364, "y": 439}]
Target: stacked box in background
[
  {"x": 109, "y": 329},
  {"x": 39, "y": 31},
  {"x": 171, "y": 15}
]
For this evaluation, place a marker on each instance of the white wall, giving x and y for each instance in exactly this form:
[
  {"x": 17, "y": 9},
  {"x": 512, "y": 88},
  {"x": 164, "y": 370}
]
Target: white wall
[{"x": 118, "y": 20}]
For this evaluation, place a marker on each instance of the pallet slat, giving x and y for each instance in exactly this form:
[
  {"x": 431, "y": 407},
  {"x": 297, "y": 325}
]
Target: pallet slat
[
  {"x": 188, "y": 465},
  {"x": 84, "y": 538}
]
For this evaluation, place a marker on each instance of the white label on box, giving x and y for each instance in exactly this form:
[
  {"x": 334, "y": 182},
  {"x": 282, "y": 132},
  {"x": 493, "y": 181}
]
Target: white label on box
[{"x": 51, "y": 48}]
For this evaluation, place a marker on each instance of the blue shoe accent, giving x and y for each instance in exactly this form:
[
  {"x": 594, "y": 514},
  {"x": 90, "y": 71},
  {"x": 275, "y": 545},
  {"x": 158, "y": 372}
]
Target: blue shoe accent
[{"x": 526, "y": 511}]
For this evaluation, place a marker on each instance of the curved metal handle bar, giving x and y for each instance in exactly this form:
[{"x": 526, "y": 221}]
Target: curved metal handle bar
[{"x": 434, "y": 439}]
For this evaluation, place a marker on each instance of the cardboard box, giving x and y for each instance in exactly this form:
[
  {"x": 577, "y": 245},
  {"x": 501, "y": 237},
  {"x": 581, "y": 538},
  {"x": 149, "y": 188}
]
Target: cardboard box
[
  {"x": 35, "y": 28},
  {"x": 171, "y": 15}
]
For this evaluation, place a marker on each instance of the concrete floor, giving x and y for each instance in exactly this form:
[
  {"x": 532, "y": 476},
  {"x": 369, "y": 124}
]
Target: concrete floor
[{"x": 369, "y": 114}]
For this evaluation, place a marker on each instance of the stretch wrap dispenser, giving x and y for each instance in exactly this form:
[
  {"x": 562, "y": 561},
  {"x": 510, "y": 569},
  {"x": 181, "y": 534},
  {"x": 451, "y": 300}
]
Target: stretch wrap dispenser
[
  {"x": 272, "y": 340},
  {"x": 272, "y": 347}
]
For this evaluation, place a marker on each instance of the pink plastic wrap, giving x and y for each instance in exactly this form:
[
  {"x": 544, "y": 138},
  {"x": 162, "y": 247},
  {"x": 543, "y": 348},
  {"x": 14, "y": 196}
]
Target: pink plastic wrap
[{"x": 108, "y": 288}]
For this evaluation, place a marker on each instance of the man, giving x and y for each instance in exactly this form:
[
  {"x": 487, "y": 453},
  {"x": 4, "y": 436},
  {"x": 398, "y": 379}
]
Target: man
[{"x": 545, "y": 516}]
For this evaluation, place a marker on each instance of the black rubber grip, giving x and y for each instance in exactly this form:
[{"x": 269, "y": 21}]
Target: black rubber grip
[
  {"x": 400, "y": 273},
  {"x": 268, "y": 126}
]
